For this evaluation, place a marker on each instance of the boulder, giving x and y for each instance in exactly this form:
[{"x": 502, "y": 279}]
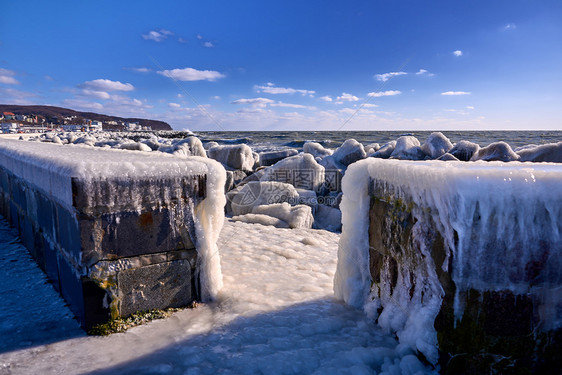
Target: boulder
[
  {"x": 436, "y": 145},
  {"x": 349, "y": 152},
  {"x": 190, "y": 146},
  {"x": 235, "y": 156},
  {"x": 371, "y": 148},
  {"x": 243, "y": 199},
  {"x": 385, "y": 151},
  {"x": 408, "y": 148},
  {"x": 333, "y": 173},
  {"x": 447, "y": 157},
  {"x": 302, "y": 171},
  {"x": 551, "y": 153},
  {"x": 464, "y": 150},
  {"x": 307, "y": 197},
  {"x": 327, "y": 218},
  {"x": 269, "y": 158},
  {"x": 495, "y": 151},
  {"x": 261, "y": 219},
  {"x": 316, "y": 150},
  {"x": 135, "y": 146},
  {"x": 299, "y": 216}
]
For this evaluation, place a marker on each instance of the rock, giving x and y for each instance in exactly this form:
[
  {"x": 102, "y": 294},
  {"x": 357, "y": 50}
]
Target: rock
[
  {"x": 550, "y": 153},
  {"x": 436, "y": 145},
  {"x": 269, "y": 158},
  {"x": 349, "y": 152},
  {"x": 235, "y": 156},
  {"x": 307, "y": 197},
  {"x": 316, "y": 150},
  {"x": 135, "y": 146},
  {"x": 385, "y": 151},
  {"x": 301, "y": 171},
  {"x": 256, "y": 176},
  {"x": 327, "y": 218},
  {"x": 408, "y": 148},
  {"x": 464, "y": 150},
  {"x": 495, "y": 151},
  {"x": 208, "y": 145},
  {"x": 299, "y": 216},
  {"x": 261, "y": 219},
  {"x": 333, "y": 172},
  {"x": 447, "y": 157},
  {"x": 371, "y": 148},
  {"x": 191, "y": 146},
  {"x": 242, "y": 200},
  {"x": 233, "y": 178}
]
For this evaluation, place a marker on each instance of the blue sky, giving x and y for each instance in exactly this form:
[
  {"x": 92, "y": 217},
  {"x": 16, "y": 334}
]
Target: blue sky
[{"x": 291, "y": 65}]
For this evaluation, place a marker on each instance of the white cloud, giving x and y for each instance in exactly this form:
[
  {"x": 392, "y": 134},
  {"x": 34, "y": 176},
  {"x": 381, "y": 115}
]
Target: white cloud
[
  {"x": 7, "y": 77},
  {"x": 182, "y": 40},
  {"x": 157, "y": 36},
  {"x": 384, "y": 93},
  {"x": 141, "y": 70},
  {"x": 471, "y": 107},
  {"x": 326, "y": 98},
  {"x": 457, "y": 53},
  {"x": 216, "y": 97},
  {"x": 290, "y": 105},
  {"x": 107, "y": 85},
  {"x": 369, "y": 105},
  {"x": 509, "y": 26},
  {"x": 386, "y": 76},
  {"x": 270, "y": 88},
  {"x": 82, "y": 104},
  {"x": 190, "y": 74},
  {"x": 424, "y": 72},
  {"x": 208, "y": 45},
  {"x": 174, "y": 105},
  {"x": 96, "y": 94},
  {"x": 454, "y": 93},
  {"x": 345, "y": 97},
  {"x": 261, "y": 101},
  {"x": 199, "y": 37}
]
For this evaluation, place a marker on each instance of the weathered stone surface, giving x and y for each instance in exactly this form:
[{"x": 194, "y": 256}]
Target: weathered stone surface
[
  {"x": 499, "y": 331},
  {"x": 153, "y": 286}
]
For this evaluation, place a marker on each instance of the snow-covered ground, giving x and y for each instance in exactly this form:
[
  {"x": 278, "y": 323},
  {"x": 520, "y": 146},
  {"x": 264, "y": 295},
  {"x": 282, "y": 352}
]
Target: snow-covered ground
[{"x": 275, "y": 315}]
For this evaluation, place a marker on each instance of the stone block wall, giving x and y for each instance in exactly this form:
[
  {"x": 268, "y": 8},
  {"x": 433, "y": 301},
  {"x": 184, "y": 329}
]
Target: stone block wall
[{"x": 106, "y": 256}]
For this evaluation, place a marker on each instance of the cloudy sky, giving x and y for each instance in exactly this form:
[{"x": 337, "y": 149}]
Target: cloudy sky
[{"x": 291, "y": 65}]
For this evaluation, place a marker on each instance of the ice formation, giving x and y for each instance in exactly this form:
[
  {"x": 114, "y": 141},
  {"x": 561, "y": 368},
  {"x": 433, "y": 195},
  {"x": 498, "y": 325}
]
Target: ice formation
[
  {"x": 256, "y": 193},
  {"x": 234, "y": 156},
  {"x": 301, "y": 171},
  {"x": 551, "y": 152},
  {"x": 349, "y": 152},
  {"x": 496, "y": 218},
  {"x": 51, "y": 167},
  {"x": 407, "y": 148},
  {"x": 436, "y": 145},
  {"x": 497, "y": 151},
  {"x": 316, "y": 149}
]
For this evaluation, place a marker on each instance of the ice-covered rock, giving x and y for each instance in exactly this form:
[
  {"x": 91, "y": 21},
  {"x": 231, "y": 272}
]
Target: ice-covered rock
[
  {"x": 408, "y": 148},
  {"x": 349, "y": 152},
  {"x": 436, "y": 145},
  {"x": 327, "y": 218},
  {"x": 371, "y": 148},
  {"x": 135, "y": 146},
  {"x": 191, "y": 146},
  {"x": 233, "y": 178},
  {"x": 302, "y": 171},
  {"x": 308, "y": 197},
  {"x": 210, "y": 144},
  {"x": 235, "y": 156},
  {"x": 551, "y": 153},
  {"x": 497, "y": 151},
  {"x": 243, "y": 199},
  {"x": 464, "y": 150},
  {"x": 261, "y": 219},
  {"x": 333, "y": 172},
  {"x": 385, "y": 151},
  {"x": 316, "y": 149},
  {"x": 269, "y": 158},
  {"x": 447, "y": 157},
  {"x": 299, "y": 216}
]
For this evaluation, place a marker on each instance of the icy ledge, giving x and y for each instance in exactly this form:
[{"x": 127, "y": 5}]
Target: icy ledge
[
  {"x": 121, "y": 180},
  {"x": 498, "y": 225}
]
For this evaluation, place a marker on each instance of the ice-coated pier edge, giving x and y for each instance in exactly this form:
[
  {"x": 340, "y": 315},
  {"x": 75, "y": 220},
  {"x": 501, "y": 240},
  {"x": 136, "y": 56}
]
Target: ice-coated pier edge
[
  {"x": 116, "y": 231},
  {"x": 463, "y": 261}
]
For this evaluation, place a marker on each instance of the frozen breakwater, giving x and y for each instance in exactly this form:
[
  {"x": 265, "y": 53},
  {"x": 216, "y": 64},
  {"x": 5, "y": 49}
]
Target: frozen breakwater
[
  {"x": 116, "y": 231},
  {"x": 463, "y": 261}
]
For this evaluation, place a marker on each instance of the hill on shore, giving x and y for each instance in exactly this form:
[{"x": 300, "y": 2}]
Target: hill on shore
[{"x": 60, "y": 113}]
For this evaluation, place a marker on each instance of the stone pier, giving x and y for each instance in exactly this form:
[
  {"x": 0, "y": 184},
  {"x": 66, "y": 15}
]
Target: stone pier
[
  {"x": 115, "y": 231},
  {"x": 464, "y": 260}
]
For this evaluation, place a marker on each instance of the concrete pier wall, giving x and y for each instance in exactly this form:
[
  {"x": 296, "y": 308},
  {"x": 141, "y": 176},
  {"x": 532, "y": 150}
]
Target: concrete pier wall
[{"x": 111, "y": 237}]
